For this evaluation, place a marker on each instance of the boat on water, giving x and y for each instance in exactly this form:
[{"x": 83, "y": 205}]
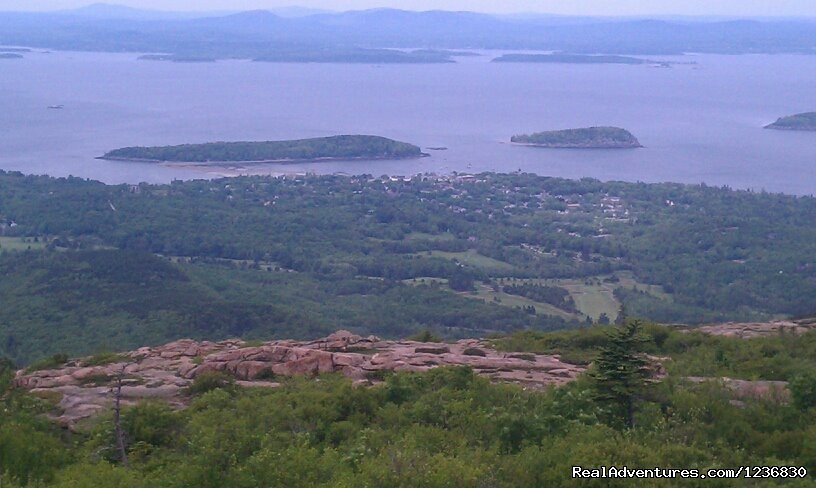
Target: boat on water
[{"x": 56, "y": 107}]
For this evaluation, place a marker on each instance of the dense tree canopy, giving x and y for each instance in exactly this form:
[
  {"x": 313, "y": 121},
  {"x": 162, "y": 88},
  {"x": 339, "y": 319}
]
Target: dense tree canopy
[{"x": 300, "y": 256}]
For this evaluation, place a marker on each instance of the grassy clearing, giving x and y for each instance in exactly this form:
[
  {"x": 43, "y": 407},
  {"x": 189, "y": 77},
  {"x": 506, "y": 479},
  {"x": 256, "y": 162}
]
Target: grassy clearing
[
  {"x": 627, "y": 280},
  {"x": 593, "y": 299},
  {"x": 485, "y": 292},
  {"x": 594, "y": 296},
  {"x": 426, "y": 281},
  {"x": 20, "y": 244},
  {"x": 473, "y": 258},
  {"x": 422, "y": 236}
]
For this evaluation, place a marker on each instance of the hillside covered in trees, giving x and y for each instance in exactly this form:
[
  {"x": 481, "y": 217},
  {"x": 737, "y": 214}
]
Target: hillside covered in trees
[{"x": 115, "y": 267}]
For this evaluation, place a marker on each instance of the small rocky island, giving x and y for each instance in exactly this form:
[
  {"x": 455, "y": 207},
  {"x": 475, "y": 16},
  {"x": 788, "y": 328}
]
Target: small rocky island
[
  {"x": 10, "y": 56},
  {"x": 585, "y": 138},
  {"x": 804, "y": 121},
  {"x": 340, "y": 148}
]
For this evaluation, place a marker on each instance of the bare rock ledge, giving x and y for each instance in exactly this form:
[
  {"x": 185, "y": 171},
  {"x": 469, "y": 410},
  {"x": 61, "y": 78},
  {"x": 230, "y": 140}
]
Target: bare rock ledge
[{"x": 162, "y": 372}]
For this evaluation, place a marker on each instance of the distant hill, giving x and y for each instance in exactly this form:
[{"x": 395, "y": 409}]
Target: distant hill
[
  {"x": 109, "y": 11},
  {"x": 804, "y": 121},
  {"x": 114, "y": 11},
  {"x": 295, "y": 11}
]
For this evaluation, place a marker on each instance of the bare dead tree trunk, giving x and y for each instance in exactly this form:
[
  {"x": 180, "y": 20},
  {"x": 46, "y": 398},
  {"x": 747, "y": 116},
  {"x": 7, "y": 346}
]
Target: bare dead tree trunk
[{"x": 117, "y": 419}]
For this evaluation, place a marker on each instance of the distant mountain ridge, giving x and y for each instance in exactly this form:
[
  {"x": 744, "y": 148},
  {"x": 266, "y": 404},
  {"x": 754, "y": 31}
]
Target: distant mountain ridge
[
  {"x": 105, "y": 27},
  {"x": 112, "y": 11},
  {"x": 123, "y": 12}
]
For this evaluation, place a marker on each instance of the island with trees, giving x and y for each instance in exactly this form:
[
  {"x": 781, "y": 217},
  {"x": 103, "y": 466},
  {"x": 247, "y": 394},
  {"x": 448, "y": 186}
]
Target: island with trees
[
  {"x": 316, "y": 55},
  {"x": 177, "y": 58},
  {"x": 570, "y": 59},
  {"x": 355, "y": 56},
  {"x": 584, "y": 138},
  {"x": 804, "y": 121},
  {"x": 344, "y": 147}
]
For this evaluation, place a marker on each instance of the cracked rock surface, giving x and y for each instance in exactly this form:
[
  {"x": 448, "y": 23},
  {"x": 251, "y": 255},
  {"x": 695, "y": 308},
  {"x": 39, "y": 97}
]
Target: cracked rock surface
[
  {"x": 163, "y": 372},
  {"x": 759, "y": 329}
]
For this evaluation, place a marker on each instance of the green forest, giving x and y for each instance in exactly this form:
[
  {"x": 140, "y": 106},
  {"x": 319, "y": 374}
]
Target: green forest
[
  {"x": 448, "y": 427},
  {"x": 93, "y": 301},
  {"x": 334, "y": 147},
  {"x": 90, "y": 267}
]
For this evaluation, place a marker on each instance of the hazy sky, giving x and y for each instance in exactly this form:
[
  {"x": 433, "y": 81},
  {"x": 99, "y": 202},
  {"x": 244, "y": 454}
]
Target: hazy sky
[{"x": 582, "y": 7}]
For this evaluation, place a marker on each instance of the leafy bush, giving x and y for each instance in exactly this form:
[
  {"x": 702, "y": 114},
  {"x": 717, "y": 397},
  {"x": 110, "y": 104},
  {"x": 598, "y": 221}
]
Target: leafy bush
[
  {"x": 104, "y": 358},
  {"x": 210, "y": 380},
  {"x": 425, "y": 335},
  {"x": 153, "y": 423},
  {"x": 803, "y": 390},
  {"x": 52, "y": 362}
]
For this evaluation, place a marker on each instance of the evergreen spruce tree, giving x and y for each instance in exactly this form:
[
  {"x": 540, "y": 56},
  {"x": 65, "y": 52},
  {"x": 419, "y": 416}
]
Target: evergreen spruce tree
[
  {"x": 620, "y": 374},
  {"x": 623, "y": 316}
]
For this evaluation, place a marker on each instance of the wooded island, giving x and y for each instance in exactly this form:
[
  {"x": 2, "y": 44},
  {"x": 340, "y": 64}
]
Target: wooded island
[
  {"x": 585, "y": 138},
  {"x": 804, "y": 121},
  {"x": 343, "y": 147}
]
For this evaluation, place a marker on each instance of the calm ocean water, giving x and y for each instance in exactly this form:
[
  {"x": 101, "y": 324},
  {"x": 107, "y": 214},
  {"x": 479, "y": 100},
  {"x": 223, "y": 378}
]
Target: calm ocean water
[{"x": 699, "y": 123}]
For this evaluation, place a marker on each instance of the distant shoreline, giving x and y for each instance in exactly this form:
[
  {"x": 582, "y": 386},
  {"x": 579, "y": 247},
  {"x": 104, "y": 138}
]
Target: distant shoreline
[{"x": 792, "y": 129}]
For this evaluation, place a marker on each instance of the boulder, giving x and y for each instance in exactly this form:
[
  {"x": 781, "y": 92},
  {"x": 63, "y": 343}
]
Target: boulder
[{"x": 474, "y": 351}]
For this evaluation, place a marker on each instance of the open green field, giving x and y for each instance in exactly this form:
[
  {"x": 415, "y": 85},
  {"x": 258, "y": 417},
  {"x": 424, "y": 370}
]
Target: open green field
[
  {"x": 627, "y": 280},
  {"x": 473, "y": 258},
  {"x": 486, "y": 293},
  {"x": 426, "y": 281},
  {"x": 593, "y": 299},
  {"x": 423, "y": 236},
  {"x": 594, "y": 296},
  {"x": 19, "y": 244}
]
